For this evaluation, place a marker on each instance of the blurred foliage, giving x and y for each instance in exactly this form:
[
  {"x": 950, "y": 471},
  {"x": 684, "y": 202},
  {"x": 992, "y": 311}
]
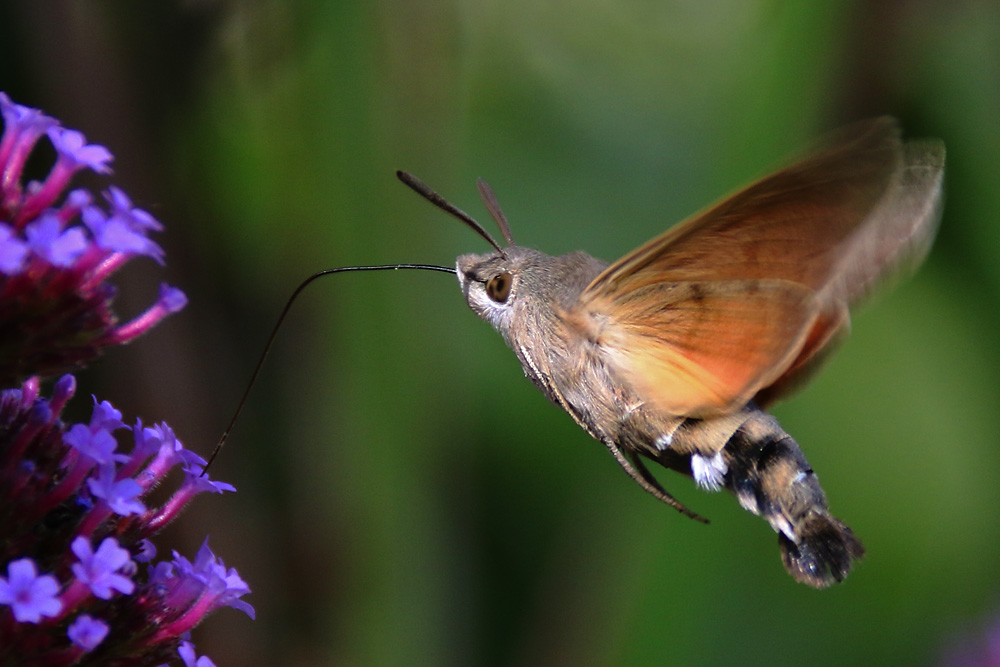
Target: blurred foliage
[{"x": 406, "y": 497}]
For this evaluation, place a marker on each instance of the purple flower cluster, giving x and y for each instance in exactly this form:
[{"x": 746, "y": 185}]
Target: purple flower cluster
[
  {"x": 56, "y": 254},
  {"x": 75, "y": 537},
  {"x": 79, "y": 579}
]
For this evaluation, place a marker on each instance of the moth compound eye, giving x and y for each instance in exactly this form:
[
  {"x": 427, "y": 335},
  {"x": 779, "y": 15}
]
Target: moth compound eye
[{"x": 498, "y": 288}]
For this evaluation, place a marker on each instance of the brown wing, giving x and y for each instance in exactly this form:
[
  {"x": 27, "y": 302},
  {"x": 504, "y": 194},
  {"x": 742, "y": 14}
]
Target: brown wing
[{"x": 746, "y": 297}]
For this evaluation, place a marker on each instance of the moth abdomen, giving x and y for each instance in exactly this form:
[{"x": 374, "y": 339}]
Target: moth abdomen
[
  {"x": 825, "y": 552},
  {"x": 770, "y": 476}
]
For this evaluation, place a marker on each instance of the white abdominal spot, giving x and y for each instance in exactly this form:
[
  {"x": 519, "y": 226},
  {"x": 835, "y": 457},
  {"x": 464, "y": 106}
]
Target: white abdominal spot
[{"x": 708, "y": 471}]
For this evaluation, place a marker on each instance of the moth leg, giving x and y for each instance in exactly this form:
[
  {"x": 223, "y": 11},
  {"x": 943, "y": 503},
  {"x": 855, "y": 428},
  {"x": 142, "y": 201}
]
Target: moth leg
[{"x": 633, "y": 465}]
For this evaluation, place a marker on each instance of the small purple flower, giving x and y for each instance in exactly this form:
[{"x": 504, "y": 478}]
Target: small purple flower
[
  {"x": 199, "y": 587},
  {"x": 122, "y": 232},
  {"x": 72, "y": 148},
  {"x": 146, "y": 443},
  {"x": 121, "y": 205},
  {"x": 29, "y": 595},
  {"x": 98, "y": 446},
  {"x": 154, "y": 603},
  {"x": 195, "y": 477},
  {"x": 122, "y": 495},
  {"x": 145, "y": 551},
  {"x": 195, "y": 482},
  {"x": 87, "y": 632},
  {"x": 22, "y": 128},
  {"x": 105, "y": 416},
  {"x": 99, "y": 570},
  {"x": 21, "y": 120},
  {"x": 158, "y": 440},
  {"x": 47, "y": 240},
  {"x": 226, "y": 585},
  {"x": 201, "y": 482}
]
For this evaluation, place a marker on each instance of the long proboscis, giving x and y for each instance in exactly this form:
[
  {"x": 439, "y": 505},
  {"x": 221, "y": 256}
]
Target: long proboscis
[{"x": 281, "y": 319}]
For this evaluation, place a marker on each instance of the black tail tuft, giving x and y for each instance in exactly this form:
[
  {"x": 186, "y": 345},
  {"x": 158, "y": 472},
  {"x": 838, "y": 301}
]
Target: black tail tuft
[{"x": 824, "y": 553}]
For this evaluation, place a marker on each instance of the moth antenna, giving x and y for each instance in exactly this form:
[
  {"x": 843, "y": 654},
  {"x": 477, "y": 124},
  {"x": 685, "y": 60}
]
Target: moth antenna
[
  {"x": 493, "y": 206},
  {"x": 281, "y": 319},
  {"x": 425, "y": 191}
]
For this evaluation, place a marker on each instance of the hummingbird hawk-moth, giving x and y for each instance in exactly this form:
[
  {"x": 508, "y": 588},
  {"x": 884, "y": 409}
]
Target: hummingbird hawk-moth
[{"x": 673, "y": 353}]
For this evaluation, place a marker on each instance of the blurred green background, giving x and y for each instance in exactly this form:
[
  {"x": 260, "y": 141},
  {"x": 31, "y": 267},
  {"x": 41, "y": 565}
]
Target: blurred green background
[{"x": 406, "y": 496}]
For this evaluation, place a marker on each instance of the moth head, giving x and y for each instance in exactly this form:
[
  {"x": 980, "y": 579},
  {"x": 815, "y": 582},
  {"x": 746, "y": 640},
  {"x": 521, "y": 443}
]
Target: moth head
[{"x": 491, "y": 283}]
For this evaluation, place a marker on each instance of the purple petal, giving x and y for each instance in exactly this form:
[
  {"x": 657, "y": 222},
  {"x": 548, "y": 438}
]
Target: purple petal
[
  {"x": 112, "y": 555},
  {"x": 99, "y": 446},
  {"x": 122, "y": 205},
  {"x": 100, "y": 570},
  {"x": 227, "y": 586},
  {"x": 105, "y": 417},
  {"x": 48, "y": 241},
  {"x": 94, "y": 218},
  {"x": 188, "y": 655},
  {"x": 122, "y": 495},
  {"x": 87, "y": 632},
  {"x": 171, "y": 298},
  {"x": 146, "y": 551},
  {"x": 12, "y": 251},
  {"x": 125, "y": 228},
  {"x": 116, "y": 235},
  {"x": 161, "y": 573},
  {"x": 146, "y": 442},
  {"x": 81, "y": 547},
  {"x": 67, "y": 247},
  {"x": 78, "y": 199},
  {"x": 193, "y": 468},
  {"x": 170, "y": 447},
  {"x": 72, "y": 147}
]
